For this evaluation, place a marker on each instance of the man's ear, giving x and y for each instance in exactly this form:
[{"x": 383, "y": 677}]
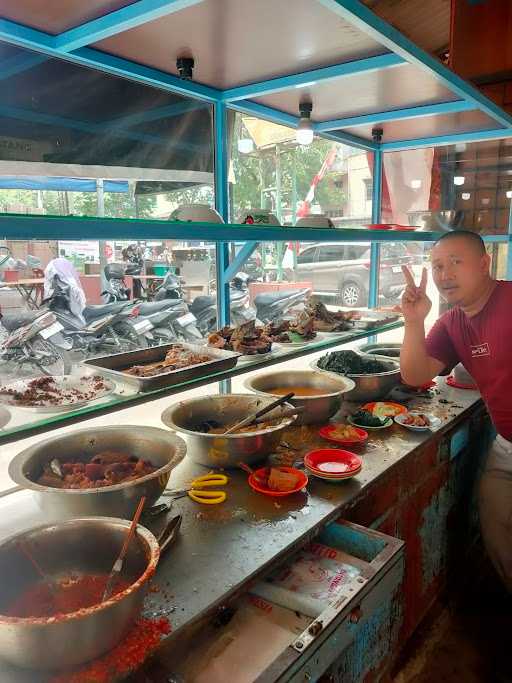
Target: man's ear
[{"x": 486, "y": 262}]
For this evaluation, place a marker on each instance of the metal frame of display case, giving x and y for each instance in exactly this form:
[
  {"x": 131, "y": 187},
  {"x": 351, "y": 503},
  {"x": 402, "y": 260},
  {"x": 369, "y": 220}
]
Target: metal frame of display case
[{"x": 73, "y": 45}]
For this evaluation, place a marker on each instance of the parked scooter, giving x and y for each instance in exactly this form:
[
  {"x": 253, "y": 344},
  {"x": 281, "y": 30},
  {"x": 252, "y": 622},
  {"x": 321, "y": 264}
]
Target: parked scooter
[
  {"x": 108, "y": 328},
  {"x": 163, "y": 322},
  {"x": 205, "y": 307},
  {"x": 116, "y": 289},
  {"x": 33, "y": 339},
  {"x": 170, "y": 288},
  {"x": 275, "y": 305}
]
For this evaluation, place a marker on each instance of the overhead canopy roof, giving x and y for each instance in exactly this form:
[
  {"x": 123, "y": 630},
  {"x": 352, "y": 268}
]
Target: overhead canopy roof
[{"x": 265, "y": 57}]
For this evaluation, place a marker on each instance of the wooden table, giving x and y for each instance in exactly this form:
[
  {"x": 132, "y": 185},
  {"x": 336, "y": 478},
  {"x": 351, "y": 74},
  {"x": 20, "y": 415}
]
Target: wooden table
[{"x": 31, "y": 290}]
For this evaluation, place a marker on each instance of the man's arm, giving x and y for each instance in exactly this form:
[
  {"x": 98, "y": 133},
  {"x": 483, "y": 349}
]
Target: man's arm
[{"x": 417, "y": 367}]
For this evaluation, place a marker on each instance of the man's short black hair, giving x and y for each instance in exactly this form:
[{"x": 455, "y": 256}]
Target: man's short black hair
[{"x": 472, "y": 237}]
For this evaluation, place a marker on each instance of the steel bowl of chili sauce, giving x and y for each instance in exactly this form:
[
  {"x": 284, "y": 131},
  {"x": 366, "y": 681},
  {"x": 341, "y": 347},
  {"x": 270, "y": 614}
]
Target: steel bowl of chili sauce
[{"x": 59, "y": 622}]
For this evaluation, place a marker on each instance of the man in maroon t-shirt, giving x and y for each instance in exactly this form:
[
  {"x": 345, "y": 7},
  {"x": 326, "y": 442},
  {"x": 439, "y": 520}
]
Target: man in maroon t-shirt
[{"x": 477, "y": 332}]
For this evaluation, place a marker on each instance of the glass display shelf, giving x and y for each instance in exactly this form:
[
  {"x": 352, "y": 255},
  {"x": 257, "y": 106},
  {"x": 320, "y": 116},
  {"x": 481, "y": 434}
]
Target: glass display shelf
[
  {"x": 36, "y": 227},
  {"x": 25, "y": 422}
]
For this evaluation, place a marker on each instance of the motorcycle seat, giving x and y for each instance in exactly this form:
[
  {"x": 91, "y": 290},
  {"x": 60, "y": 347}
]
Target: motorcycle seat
[
  {"x": 12, "y": 322},
  {"x": 201, "y": 303},
  {"x": 93, "y": 311},
  {"x": 149, "y": 307},
  {"x": 270, "y": 298},
  {"x": 236, "y": 295}
]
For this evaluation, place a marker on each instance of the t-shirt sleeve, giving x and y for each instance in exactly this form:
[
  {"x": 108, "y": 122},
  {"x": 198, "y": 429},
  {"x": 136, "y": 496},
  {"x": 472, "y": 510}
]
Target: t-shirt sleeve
[{"x": 440, "y": 346}]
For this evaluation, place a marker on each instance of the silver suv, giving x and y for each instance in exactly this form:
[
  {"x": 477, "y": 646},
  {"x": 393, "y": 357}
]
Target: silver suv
[{"x": 342, "y": 270}]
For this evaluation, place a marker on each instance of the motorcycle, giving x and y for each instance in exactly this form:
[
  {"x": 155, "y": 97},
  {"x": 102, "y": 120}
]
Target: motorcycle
[
  {"x": 205, "y": 307},
  {"x": 275, "y": 305},
  {"x": 108, "y": 328},
  {"x": 33, "y": 338},
  {"x": 163, "y": 322},
  {"x": 116, "y": 286}
]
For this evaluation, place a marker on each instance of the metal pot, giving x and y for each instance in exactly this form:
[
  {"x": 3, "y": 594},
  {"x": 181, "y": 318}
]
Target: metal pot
[
  {"x": 217, "y": 451},
  {"x": 160, "y": 447},
  {"x": 76, "y": 547},
  {"x": 371, "y": 387},
  {"x": 316, "y": 408},
  {"x": 389, "y": 351}
]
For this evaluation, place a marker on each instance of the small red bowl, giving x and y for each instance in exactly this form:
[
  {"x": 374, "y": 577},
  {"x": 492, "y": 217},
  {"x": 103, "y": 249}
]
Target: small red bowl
[
  {"x": 254, "y": 484},
  {"x": 452, "y": 382},
  {"x": 332, "y": 461},
  {"x": 326, "y": 433}
]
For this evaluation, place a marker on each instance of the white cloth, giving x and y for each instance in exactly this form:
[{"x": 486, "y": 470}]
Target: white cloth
[{"x": 66, "y": 272}]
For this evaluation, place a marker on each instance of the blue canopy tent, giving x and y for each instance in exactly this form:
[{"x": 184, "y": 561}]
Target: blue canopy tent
[{"x": 60, "y": 184}]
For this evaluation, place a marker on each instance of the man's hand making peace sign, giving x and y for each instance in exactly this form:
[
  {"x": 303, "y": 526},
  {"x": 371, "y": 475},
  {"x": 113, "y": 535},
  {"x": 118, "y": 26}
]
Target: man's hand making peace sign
[{"x": 415, "y": 303}]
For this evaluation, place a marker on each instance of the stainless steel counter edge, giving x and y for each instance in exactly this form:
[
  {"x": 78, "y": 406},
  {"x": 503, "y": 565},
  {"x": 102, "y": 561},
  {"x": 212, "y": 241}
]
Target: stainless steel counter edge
[{"x": 222, "y": 548}]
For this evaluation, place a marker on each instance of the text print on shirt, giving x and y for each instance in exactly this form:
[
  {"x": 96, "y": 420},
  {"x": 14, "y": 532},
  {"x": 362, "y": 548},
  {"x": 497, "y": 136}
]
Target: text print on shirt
[{"x": 480, "y": 350}]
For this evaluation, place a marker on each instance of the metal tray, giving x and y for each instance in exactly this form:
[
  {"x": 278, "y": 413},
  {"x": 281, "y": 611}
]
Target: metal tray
[{"x": 112, "y": 366}]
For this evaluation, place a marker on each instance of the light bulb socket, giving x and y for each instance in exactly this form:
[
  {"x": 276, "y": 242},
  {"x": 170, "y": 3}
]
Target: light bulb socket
[
  {"x": 185, "y": 67},
  {"x": 305, "y": 109},
  {"x": 377, "y": 134}
]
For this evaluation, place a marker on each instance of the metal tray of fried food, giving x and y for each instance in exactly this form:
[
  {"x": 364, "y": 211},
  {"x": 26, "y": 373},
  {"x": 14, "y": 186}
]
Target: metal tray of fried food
[{"x": 113, "y": 366}]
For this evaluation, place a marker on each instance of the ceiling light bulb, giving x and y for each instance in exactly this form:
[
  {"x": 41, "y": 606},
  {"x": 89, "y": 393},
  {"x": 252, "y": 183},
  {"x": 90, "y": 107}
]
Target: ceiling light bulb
[
  {"x": 304, "y": 134},
  {"x": 245, "y": 145},
  {"x": 460, "y": 147},
  {"x": 458, "y": 180},
  {"x": 466, "y": 196},
  {"x": 416, "y": 184},
  {"x": 509, "y": 194},
  {"x": 485, "y": 201}
]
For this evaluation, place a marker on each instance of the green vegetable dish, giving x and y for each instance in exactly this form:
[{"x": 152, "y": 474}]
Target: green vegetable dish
[
  {"x": 367, "y": 419},
  {"x": 351, "y": 363}
]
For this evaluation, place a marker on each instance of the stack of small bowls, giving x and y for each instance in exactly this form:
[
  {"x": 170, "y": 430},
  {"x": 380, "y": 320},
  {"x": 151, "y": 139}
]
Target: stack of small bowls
[{"x": 332, "y": 464}]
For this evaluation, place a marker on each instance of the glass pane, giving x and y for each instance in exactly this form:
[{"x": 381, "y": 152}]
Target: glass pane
[
  {"x": 467, "y": 186},
  {"x": 335, "y": 273},
  {"x": 78, "y": 141},
  {"x": 270, "y": 170},
  {"x": 163, "y": 291}
]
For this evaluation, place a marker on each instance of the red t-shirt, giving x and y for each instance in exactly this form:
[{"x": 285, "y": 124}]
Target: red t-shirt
[{"x": 483, "y": 344}]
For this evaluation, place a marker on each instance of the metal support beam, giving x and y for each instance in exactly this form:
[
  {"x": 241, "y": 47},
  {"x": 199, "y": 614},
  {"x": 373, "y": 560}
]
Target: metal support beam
[
  {"x": 238, "y": 262},
  {"x": 396, "y": 115},
  {"x": 120, "y": 20},
  {"x": 313, "y": 77},
  {"x": 366, "y": 21},
  {"x": 23, "y": 36},
  {"x": 222, "y": 206},
  {"x": 443, "y": 140},
  {"x": 373, "y": 288}
]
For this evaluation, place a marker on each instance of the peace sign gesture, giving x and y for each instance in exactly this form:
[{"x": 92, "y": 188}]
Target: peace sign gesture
[{"x": 415, "y": 303}]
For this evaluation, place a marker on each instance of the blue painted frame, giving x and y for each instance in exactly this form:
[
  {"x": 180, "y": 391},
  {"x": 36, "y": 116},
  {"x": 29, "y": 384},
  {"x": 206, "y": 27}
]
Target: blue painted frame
[{"x": 71, "y": 45}]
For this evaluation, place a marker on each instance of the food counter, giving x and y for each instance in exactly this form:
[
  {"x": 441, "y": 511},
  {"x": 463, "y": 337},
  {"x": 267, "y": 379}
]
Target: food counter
[{"x": 409, "y": 485}]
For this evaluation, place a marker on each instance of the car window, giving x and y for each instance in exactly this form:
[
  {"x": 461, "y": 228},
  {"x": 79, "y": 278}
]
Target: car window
[
  {"x": 392, "y": 250},
  {"x": 355, "y": 251},
  {"x": 331, "y": 252},
  {"x": 307, "y": 256}
]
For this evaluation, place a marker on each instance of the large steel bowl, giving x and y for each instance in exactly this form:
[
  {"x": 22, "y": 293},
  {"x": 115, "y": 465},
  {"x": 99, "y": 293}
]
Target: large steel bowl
[
  {"x": 217, "y": 451},
  {"x": 77, "y": 547},
  {"x": 370, "y": 387},
  {"x": 388, "y": 350},
  {"x": 315, "y": 408},
  {"x": 159, "y": 446}
]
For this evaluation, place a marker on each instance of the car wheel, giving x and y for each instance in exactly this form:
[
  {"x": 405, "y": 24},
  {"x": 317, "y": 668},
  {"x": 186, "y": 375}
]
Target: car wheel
[{"x": 352, "y": 294}]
